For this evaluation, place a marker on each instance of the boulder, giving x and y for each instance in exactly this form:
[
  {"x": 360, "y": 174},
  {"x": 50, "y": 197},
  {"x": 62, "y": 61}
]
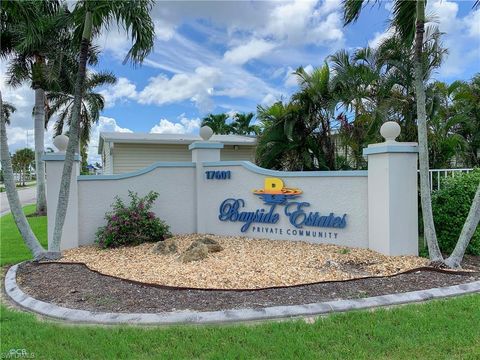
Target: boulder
[
  {"x": 212, "y": 245},
  {"x": 194, "y": 253},
  {"x": 165, "y": 247}
]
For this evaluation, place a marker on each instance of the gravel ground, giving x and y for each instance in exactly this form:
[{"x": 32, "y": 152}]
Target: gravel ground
[
  {"x": 75, "y": 286},
  {"x": 243, "y": 264}
]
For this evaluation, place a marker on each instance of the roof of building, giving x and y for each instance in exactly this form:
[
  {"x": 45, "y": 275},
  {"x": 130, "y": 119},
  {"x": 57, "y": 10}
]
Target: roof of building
[{"x": 187, "y": 139}]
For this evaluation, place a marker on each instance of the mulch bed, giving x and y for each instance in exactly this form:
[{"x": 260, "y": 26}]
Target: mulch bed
[
  {"x": 242, "y": 264},
  {"x": 75, "y": 286}
]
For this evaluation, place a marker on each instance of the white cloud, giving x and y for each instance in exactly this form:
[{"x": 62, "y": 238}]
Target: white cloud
[
  {"x": 380, "y": 37},
  {"x": 268, "y": 100},
  {"x": 105, "y": 124},
  {"x": 195, "y": 86},
  {"x": 164, "y": 30},
  {"x": 184, "y": 126},
  {"x": 303, "y": 22},
  {"x": 460, "y": 38},
  {"x": 253, "y": 49},
  {"x": 472, "y": 22},
  {"x": 291, "y": 80},
  {"x": 122, "y": 90}
]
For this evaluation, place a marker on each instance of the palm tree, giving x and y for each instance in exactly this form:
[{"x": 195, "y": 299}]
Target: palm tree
[
  {"x": 22, "y": 160},
  {"x": 20, "y": 220},
  {"x": 8, "y": 109},
  {"x": 375, "y": 85},
  {"x": 10, "y": 13},
  {"x": 88, "y": 18},
  {"x": 316, "y": 103},
  {"x": 218, "y": 123},
  {"x": 241, "y": 125},
  {"x": 443, "y": 125},
  {"x": 297, "y": 135},
  {"x": 61, "y": 103},
  {"x": 466, "y": 106},
  {"x": 409, "y": 21},
  {"x": 35, "y": 58}
]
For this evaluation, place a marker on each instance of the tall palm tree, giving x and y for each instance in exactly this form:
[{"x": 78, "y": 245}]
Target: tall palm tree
[
  {"x": 9, "y": 180},
  {"x": 218, "y": 123},
  {"x": 10, "y": 13},
  {"x": 61, "y": 103},
  {"x": 35, "y": 54},
  {"x": 241, "y": 124},
  {"x": 409, "y": 21},
  {"x": 88, "y": 18}
]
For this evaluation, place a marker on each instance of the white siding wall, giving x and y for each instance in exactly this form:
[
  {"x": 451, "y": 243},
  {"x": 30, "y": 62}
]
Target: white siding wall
[
  {"x": 107, "y": 159},
  {"x": 132, "y": 157},
  {"x": 228, "y": 153}
]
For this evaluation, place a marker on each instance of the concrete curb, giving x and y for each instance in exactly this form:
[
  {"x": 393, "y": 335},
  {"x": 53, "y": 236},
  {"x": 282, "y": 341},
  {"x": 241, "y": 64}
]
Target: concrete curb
[{"x": 225, "y": 316}]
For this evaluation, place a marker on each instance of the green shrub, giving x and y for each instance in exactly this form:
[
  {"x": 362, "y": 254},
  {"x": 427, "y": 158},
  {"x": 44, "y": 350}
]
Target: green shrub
[
  {"x": 451, "y": 205},
  {"x": 132, "y": 224}
]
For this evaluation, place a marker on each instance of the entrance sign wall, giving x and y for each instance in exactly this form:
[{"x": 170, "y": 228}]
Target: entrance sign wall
[{"x": 374, "y": 209}]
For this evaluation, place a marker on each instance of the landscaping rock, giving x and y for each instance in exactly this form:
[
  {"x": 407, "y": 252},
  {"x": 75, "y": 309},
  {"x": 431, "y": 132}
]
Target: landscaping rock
[
  {"x": 212, "y": 245},
  {"x": 165, "y": 247},
  {"x": 194, "y": 253}
]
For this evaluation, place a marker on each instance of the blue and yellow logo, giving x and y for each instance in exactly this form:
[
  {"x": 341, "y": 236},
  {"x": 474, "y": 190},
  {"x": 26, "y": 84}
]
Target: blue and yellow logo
[{"x": 275, "y": 192}]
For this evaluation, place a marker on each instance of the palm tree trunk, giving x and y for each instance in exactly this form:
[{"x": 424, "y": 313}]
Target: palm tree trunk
[
  {"x": 39, "y": 119},
  {"x": 455, "y": 259},
  {"x": 12, "y": 195},
  {"x": 64, "y": 193},
  {"x": 426, "y": 200}
]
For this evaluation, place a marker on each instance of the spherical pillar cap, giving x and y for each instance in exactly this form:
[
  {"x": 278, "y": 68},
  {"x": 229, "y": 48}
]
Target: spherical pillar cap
[
  {"x": 390, "y": 131},
  {"x": 206, "y": 133},
  {"x": 61, "y": 143}
]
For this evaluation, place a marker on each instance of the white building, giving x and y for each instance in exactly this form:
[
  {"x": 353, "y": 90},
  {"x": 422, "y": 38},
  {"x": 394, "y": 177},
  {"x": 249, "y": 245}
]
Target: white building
[{"x": 126, "y": 152}]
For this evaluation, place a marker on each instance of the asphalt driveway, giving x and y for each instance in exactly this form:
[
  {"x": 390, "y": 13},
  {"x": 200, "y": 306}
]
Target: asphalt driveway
[{"x": 27, "y": 196}]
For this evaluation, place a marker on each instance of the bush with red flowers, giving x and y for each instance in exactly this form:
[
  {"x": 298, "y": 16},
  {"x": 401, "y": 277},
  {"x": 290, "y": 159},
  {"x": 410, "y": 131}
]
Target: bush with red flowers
[{"x": 132, "y": 224}]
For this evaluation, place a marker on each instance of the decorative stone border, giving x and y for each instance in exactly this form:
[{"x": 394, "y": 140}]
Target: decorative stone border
[{"x": 225, "y": 316}]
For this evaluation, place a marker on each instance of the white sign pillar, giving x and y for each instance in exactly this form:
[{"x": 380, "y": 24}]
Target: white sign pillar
[
  {"x": 392, "y": 194},
  {"x": 54, "y": 169},
  {"x": 203, "y": 151}
]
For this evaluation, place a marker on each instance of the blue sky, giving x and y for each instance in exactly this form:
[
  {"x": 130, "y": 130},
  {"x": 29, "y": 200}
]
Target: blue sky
[{"x": 227, "y": 56}]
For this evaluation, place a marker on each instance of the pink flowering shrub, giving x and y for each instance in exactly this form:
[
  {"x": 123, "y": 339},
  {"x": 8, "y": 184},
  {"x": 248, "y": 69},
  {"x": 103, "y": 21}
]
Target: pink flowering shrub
[{"x": 132, "y": 224}]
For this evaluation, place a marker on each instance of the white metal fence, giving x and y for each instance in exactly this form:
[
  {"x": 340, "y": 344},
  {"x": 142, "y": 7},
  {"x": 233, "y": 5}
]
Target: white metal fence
[{"x": 436, "y": 176}]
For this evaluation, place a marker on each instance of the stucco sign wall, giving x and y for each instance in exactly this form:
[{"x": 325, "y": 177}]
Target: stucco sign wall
[
  {"x": 374, "y": 209},
  {"x": 262, "y": 203}
]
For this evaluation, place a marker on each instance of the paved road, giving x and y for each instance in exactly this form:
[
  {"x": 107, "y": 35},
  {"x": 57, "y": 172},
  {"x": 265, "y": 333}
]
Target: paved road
[{"x": 27, "y": 196}]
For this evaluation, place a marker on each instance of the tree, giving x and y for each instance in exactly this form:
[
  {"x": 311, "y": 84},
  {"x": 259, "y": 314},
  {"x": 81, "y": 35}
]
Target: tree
[
  {"x": 20, "y": 220},
  {"x": 466, "y": 107},
  {"x": 61, "y": 103},
  {"x": 241, "y": 125},
  {"x": 88, "y": 18},
  {"x": 22, "y": 160},
  {"x": 409, "y": 21},
  {"x": 218, "y": 123},
  {"x": 34, "y": 48},
  {"x": 298, "y": 135},
  {"x": 8, "y": 109},
  {"x": 443, "y": 124}
]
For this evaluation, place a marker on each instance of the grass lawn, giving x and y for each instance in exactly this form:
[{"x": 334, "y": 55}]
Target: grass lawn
[
  {"x": 12, "y": 247},
  {"x": 445, "y": 329}
]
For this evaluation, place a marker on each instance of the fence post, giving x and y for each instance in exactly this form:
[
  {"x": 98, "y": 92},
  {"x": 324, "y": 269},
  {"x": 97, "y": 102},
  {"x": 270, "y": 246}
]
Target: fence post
[
  {"x": 53, "y": 169},
  {"x": 392, "y": 194},
  {"x": 203, "y": 151}
]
